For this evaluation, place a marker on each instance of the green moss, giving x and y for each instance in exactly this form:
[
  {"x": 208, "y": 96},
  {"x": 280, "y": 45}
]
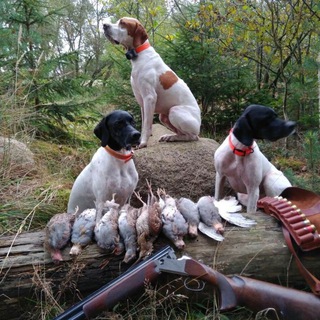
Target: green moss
[{"x": 283, "y": 163}]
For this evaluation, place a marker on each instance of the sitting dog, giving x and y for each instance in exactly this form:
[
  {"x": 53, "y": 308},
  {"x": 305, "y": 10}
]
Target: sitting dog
[
  {"x": 156, "y": 87},
  {"x": 240, "y": 161},
  {"x": 111, "y": 170}
]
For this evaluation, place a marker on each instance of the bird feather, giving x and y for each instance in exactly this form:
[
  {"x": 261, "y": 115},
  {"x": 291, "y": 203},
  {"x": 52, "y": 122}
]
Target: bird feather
[
  {"x": 210, "y": 232},
  {"x": 228, "y": 210}
]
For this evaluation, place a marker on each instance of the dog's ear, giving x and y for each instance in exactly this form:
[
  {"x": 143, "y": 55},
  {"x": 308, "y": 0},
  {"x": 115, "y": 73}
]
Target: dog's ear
[
  {"x": 243, "y": 130},
  {"x": 140, "y": 36},
  {"x": 101, "y": 132}
]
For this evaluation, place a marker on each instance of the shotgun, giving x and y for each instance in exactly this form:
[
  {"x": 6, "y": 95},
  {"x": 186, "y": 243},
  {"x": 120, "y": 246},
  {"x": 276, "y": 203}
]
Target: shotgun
[{"x": 234, "y": 291}]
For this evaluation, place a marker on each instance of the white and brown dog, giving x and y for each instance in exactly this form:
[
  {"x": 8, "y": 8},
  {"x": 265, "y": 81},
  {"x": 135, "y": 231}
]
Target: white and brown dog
[
  {"x": 156, "y": 87},
  {"x": 240, "y": 160}
]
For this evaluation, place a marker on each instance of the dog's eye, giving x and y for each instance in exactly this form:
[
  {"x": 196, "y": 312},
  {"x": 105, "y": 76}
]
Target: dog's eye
[
  {"x": 119, "y": 124},
  {"x": 122, "y": 23}
]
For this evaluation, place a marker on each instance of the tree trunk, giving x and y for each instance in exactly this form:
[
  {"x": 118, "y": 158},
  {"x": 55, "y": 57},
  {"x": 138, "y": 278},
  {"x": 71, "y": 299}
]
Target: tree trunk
[{"x": 28, "y": 275}]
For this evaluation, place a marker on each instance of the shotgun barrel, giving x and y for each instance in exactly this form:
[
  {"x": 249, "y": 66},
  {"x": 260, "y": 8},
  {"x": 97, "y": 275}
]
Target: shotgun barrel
[{"x": 118, "y": 289}]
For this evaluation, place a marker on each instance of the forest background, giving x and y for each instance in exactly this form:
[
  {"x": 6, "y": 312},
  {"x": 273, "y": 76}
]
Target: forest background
[{"x": 59, "y": 75}]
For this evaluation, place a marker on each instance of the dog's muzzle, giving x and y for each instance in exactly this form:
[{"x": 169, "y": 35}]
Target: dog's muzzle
[
  {"x": 292, "y": 127},
  {"x": 133, "y": 139},
  {"x": 107, "y": 33}
]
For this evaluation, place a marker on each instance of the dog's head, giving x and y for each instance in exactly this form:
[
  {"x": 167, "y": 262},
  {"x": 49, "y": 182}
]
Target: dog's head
[
  {"x": 117, "y": 130},
  {"x": 126, "y": 31},
  {"x": 260, "y": 122}
]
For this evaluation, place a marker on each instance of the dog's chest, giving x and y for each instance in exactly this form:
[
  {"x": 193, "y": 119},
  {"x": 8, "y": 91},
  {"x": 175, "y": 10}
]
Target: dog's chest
[
  {"x": 124, "y": 177},
  {"x": 114, "y": 175}
]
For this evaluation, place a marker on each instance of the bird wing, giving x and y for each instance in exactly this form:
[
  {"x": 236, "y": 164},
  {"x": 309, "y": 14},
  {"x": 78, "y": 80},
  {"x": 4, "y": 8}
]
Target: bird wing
[
  {"x": 210, "y": 232},
  {"x": 228, "y": 208}
]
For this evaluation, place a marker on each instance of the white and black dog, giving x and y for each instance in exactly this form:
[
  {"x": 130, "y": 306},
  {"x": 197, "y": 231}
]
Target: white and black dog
[
  {"x": 111, "y": 170},
  {"x": 240, "y": 160}
]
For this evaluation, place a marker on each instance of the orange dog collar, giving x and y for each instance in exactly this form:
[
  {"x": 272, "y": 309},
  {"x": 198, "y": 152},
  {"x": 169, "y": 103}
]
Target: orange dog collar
[
  {"x": 119, "y": 155},
  {"x": 239, "y": 152}
]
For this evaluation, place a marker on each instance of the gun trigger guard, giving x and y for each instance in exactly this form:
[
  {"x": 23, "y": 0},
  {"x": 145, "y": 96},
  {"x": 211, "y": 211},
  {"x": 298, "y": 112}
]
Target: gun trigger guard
[{"x": 201, "y": 284}]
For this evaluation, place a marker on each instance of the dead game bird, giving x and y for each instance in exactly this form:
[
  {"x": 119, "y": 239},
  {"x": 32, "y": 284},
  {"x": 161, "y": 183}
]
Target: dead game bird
[
  {"x": 127, "y": 228},
  {"x": 58, "y": 234},
  {"x": 210, "y": 220},
  {"x": 106, "y": 230},
  {"x": 175, "y": 226},
  {"x": 190, "y": 212},
  {"x": 148, "y": 224},
  {"x": 209, "y": 213},
  {"x": 82, "y": 231}
]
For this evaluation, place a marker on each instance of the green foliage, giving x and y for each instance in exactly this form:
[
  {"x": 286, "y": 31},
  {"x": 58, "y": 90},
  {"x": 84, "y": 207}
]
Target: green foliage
[
  {"x": 312, "y": 150},
  {"x": 232, "y": 54},
  {"x": 219, "y": 82},
  {"x": 38, "y": 86},
  {"x": 312, "y": 154}
]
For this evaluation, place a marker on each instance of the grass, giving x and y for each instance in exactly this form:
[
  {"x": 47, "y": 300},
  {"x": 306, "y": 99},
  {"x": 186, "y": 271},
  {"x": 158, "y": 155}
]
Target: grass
[
  {"x": 163, "y": 302},
  {"x": 31, "y": 195}
]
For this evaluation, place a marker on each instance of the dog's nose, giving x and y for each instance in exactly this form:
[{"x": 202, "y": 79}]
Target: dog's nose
[
  {"x": 136, "y": 136},
  {"x": 291, "y": 124},
  {"x": 106, "y": 26},
  {"x": 291, "y": 127}
]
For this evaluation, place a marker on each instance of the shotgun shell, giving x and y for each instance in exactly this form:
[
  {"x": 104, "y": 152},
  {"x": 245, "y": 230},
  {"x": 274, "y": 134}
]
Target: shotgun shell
[
  {"x": 297, "y": 218},
  {"x": 300, "y": 224},
  {"x": 282, "y": 205},
  {"x": 305, "y": 230},
  {"x": 312, "y": 228},
  {"x": 287, "y": 209},
  {"x": 278, "y": 200},
  {"x": 272, "y": 202},
  {"x": 291, "y": 211},
  {"x": 265, "y": 201},
  {"x": 305, "y": 238}
]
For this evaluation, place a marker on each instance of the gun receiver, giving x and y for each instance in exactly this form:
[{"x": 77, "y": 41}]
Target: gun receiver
[{"x": 234, "y": 291}]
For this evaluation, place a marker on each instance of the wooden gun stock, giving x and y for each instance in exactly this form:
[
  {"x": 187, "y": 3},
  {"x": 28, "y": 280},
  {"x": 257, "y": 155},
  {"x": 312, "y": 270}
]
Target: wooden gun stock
[{"x": 289, "y": 304}]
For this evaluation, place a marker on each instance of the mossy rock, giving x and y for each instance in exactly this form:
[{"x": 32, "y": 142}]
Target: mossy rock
[{"x": 183, "y": 169}]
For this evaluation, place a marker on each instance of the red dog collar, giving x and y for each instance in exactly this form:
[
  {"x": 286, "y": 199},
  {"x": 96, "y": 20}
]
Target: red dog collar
[
  {"x": 144, "y": 46},
  {"x": 239, "y": 152},
  {"x": 119, "y": 155}
]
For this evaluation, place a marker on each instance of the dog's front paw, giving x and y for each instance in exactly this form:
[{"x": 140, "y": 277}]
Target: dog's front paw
[
  {"x": 142, "y": 145},
  {"x": 178, "y": 137},
  {"x": 168, "y": 138}
]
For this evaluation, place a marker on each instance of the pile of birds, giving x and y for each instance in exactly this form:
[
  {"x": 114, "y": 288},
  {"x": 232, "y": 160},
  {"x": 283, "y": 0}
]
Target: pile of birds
[{"x": 134, "y": 230}]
